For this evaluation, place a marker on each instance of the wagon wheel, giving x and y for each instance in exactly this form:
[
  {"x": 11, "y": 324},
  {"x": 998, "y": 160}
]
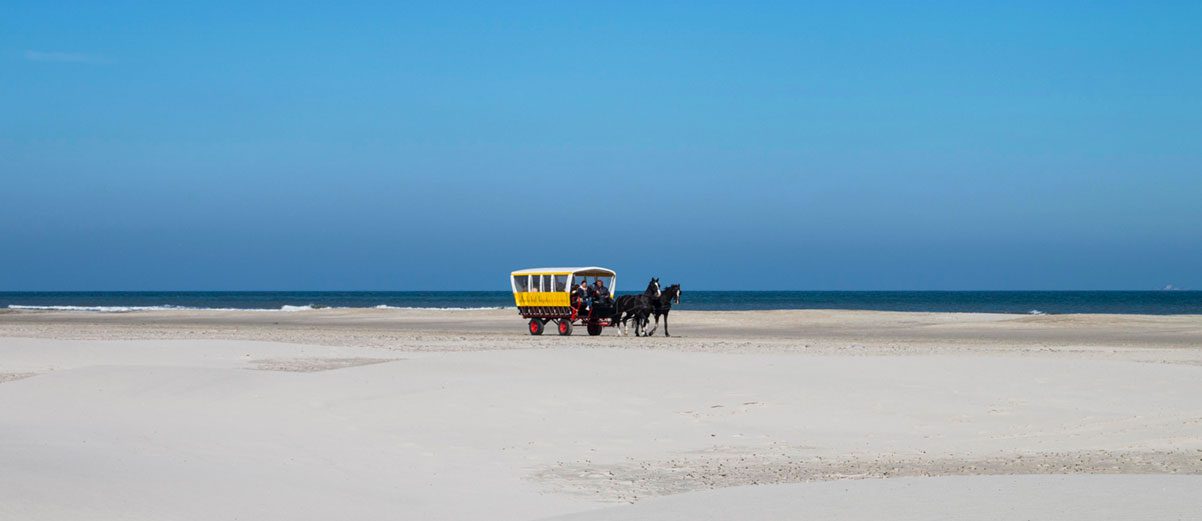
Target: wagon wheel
[
  {"x": 565, "y": 327},
  {"x": 536, "y": 326},
  {"x": 594, "y": 329}
]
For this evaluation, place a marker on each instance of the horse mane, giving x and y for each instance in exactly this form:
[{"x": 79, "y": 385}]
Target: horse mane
[{"x": 664, "y": 302}]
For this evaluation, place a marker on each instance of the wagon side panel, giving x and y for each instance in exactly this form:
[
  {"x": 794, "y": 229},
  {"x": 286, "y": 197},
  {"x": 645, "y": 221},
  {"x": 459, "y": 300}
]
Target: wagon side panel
[{"x": 536, "y": 304}]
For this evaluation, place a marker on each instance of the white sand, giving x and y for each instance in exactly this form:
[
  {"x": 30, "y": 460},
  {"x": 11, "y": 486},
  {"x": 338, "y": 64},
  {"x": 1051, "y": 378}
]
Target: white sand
[{"x": 460, "y": 416}]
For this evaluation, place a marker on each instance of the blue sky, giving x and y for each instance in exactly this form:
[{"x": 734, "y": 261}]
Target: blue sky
[{"x": 932, "y": 145}]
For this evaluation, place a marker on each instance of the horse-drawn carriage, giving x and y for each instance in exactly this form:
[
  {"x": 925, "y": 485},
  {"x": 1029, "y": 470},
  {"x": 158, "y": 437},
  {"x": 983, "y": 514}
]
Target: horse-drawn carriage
[{"x": 545, "y": 295}]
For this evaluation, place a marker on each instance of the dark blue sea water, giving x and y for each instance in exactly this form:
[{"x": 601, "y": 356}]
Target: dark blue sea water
[{"x": 1052, "y": 302}]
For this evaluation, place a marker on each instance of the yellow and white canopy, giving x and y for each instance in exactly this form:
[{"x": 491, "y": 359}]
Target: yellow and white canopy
[
  {"x": 528, "y": 283},
  {"x": 587, "y": 271}
]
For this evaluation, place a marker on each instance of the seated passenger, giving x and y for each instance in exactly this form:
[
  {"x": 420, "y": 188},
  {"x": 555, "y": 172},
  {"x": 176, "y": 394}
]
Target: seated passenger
[{"x": 581, "y": 296}]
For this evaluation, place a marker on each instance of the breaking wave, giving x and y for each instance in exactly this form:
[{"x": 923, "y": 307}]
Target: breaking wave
[
  {"x": 284, "y": 308},
  {"x": 127, "y": 309},
  {"x": 385, "y": 306},
  {"x": 101, "y": 309},
  {"x": 305, "y": 307}
]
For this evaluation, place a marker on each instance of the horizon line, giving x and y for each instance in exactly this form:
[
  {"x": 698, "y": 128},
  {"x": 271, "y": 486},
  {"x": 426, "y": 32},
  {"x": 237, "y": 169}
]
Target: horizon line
[{"x": 2, "y": 291}]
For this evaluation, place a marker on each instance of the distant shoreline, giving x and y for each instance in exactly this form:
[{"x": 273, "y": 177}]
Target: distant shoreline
[{"x": 885, "y": 331}]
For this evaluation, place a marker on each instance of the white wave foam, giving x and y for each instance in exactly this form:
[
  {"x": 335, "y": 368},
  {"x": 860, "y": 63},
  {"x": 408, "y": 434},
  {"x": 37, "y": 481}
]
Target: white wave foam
[
  {"x": 101, "y": 309},
  {"x": 284, "y": 308},
  {"x": 305, "y": 307},
  {"x": 127, "y": 309},
  {"x": 385, "y": 306},
  {"x": 1036, "y": 312}
]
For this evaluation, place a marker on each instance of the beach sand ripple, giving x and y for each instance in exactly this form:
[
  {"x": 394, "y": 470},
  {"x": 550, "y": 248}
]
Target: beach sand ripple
[{"x": 633, "y": 480}]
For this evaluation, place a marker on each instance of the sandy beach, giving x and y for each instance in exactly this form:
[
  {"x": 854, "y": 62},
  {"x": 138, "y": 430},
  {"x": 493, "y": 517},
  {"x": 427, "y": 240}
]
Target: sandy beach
[{"x": 421, "y": 414}]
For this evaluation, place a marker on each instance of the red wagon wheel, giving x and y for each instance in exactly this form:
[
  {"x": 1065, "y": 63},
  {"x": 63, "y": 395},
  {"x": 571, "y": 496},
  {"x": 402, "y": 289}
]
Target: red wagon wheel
[{"x": 536, "y": 326}]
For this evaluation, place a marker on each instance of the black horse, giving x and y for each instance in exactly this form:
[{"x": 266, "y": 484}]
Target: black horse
[
  {"x": 662, "y": 305},
  {"x": 638, "y": 307}
]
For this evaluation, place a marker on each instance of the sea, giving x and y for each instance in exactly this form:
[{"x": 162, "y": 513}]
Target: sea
[{"x": 1015, "y": 302}]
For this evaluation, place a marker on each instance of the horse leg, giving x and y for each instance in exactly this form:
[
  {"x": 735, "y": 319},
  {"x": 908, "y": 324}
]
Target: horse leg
[
  {"x": 656, "y": 326},
  {"x": 666, "y": 324}
]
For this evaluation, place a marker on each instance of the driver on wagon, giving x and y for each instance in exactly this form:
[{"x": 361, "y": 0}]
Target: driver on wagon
[{"x": 601, "y": 292}]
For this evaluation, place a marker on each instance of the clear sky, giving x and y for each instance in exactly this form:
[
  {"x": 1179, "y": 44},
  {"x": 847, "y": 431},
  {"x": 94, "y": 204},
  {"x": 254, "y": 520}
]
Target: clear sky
[{"x": 395, "y": 146}]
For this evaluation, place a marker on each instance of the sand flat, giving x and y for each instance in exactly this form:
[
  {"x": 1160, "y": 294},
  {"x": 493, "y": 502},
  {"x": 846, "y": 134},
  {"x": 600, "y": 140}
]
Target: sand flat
[
  {"x": 461, "y": 415},
  {"x": 420, "y": 329},
  {"x": 1059, "y": 498}
]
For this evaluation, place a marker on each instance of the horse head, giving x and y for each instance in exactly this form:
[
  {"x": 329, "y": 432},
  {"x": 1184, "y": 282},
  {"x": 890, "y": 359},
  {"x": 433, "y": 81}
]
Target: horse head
[
  {"x": 653, "y": 285},
  {"x": 674, "y": 292}
]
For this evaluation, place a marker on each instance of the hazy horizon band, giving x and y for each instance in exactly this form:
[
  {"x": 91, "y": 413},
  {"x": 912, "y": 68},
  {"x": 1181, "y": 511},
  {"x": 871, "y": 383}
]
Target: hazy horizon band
[{"x": 1002, "y": 301}]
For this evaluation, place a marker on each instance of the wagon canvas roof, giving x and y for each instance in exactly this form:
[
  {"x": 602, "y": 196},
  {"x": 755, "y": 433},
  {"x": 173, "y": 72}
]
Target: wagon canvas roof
[{"x": 587, "y": 270}]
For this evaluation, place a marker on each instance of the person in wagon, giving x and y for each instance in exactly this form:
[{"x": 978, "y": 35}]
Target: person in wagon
[
  {"x": 601, "y": 293},
  {"x": 582, "y": 295}
]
